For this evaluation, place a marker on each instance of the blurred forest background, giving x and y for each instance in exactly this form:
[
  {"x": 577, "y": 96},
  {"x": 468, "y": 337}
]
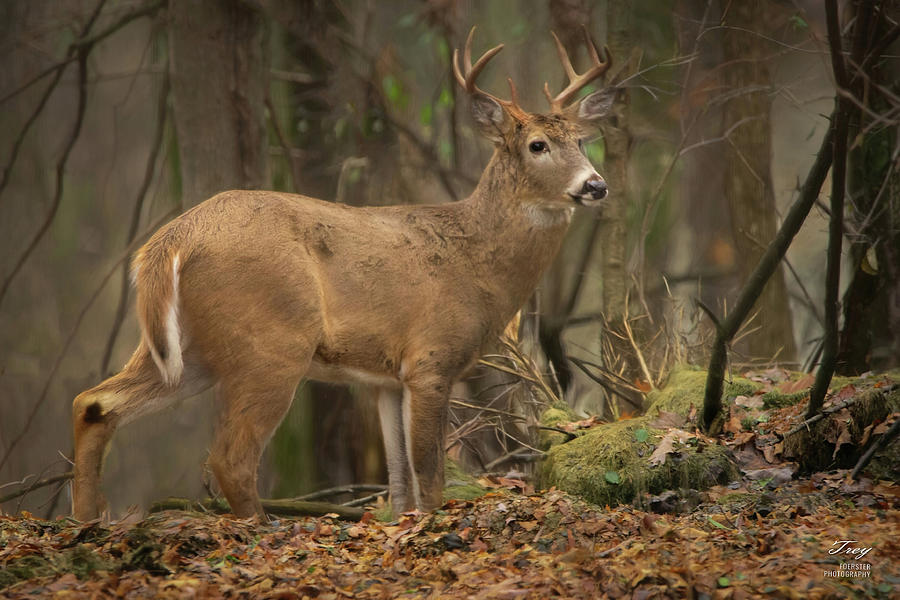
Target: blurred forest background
[{"x": 116, "y": 115}]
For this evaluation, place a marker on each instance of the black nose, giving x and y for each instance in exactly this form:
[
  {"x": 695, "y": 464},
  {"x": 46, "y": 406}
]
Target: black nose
[{"x": 596, "y": 187}]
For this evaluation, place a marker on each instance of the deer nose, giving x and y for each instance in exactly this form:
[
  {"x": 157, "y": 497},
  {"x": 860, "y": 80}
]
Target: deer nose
[{"x": 596, "y": 187}]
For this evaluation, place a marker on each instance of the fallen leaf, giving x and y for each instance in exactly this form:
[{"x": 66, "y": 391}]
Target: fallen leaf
[
  {"x": 748, "y": 402},
  {"x": 667, "y": 420},
  {"x": 792, "y": 387}
]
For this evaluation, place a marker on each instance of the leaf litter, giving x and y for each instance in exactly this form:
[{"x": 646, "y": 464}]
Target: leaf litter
[{"x": 735, "y": 544}]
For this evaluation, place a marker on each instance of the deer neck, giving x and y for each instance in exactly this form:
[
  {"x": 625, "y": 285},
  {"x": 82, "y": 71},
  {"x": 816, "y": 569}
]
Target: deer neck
[{"x": 518, "y": 237}]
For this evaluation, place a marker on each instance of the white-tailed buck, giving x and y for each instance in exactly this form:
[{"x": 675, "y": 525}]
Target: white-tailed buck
[{"x": 252, "y": 291}]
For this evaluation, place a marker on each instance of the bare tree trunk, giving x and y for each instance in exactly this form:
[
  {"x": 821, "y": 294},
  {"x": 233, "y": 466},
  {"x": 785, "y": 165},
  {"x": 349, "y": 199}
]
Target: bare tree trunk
[
  {"x": 870, "y": 337},
  {"x": 219, "y": 48},
  {"x": 219, "y": 73},
  {"x": 748, "y": 179},
  {"x": 618, "y": 150}
]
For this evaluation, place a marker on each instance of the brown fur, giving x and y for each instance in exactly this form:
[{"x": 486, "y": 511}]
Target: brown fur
[{"x": 277, "y": 287}]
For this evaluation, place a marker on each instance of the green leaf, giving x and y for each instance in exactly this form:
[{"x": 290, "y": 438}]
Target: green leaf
[
  {"x": 724, "y": 582},
  {"x": 716, "y": 523},
  {"x": 798, "y": 22},
  {"x": 392, "y": 88},
  {"x": 443, "y": 50},
  {"x": 612, "y": 477},
  {"x": 425, "y": 115},
  {"x": 445, "y": 100},
  {"x": 595, "y": 151},
  {"x": 641, "y": 435}
]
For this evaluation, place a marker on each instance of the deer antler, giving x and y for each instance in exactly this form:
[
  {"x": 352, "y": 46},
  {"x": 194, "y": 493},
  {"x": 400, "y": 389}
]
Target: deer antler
[
  {"x": 576, "y": 81},
  {"x": 467, "y": 79}
]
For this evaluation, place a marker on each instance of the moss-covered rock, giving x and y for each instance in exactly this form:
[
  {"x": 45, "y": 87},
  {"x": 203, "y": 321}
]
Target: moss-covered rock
[
  {"x": 459, "y": 485},
  {"x": 608, "y": 465},
  {"x": 556, "y": 416}
]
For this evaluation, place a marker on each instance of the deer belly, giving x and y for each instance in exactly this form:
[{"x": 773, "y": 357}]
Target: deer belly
[{"x": 333, "y": 373}]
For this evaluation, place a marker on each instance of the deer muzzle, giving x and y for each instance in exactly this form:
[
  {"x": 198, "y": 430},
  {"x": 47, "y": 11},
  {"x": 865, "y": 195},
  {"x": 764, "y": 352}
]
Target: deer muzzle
[{"x": 592, "y": 191}]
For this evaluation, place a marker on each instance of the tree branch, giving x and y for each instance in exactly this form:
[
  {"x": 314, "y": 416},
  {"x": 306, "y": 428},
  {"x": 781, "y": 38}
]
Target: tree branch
[
  {"x": 149, "y": 171},
  {"x": 37, "y": 484},
  {"x": 712, "y": 402},
  {"x": 43, "y": 397},
  {"x": 841, "y": 125},
  {"x": 60, "y": 171},
  {"x": 282, "y": 507}
]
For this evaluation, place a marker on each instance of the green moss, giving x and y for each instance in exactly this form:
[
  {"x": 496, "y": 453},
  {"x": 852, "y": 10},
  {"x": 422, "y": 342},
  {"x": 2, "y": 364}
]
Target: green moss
[
  {"x": 554, "y": 417},
  {"x": 685, "y": 388},
  {"x": 459, "y": 484},
  {"x": 582, "y": 466},
  {"x": 776, "y": 399}
]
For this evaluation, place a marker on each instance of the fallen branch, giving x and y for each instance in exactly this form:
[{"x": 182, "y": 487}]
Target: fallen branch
[
  {"x": 36, "y": 485},
  {"x": 342, "y": 489},
  {"x": 366, "y": 499},
  {"x": 287, "y": 507},
  {"x": 841, "y": 405}
]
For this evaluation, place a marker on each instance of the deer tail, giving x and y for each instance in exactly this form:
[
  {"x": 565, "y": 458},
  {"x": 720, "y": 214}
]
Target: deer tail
[{"x": 155, "y": 273}]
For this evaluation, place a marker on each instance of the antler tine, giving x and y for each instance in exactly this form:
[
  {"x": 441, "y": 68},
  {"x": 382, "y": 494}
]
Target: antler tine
[
  {"x": 576, "y": 81},
  {"x": 466, "y": 78}
]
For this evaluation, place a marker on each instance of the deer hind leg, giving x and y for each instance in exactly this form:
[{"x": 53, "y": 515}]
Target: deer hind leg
[
  {"x": 390, "y": 413},
  {"x": 253, "y": 406},
  {"x": 96, "y": 414},
  {"x": 425, "y": 404}
]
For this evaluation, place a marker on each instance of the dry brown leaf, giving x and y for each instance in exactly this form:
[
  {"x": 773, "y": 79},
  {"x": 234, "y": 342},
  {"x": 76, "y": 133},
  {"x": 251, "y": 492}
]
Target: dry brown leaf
[
  {"x": 748, "y": 401},
  {"x": 666, "y": 420}
]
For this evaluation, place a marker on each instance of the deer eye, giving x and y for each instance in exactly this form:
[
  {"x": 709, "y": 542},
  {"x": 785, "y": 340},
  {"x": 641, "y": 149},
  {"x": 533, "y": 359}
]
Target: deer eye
[{"x": 538, "y": 147}]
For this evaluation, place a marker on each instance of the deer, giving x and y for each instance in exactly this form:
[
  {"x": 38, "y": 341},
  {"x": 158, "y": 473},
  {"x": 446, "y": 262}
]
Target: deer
[{"x": 253, "y": 291}]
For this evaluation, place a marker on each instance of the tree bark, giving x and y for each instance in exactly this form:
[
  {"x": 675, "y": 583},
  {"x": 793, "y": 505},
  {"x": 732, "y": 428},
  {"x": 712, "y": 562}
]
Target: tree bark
[
  {"x": 748, "y": 180},
  {"x": 618, "y": 150},
  {"x": 219, "y": 74}
]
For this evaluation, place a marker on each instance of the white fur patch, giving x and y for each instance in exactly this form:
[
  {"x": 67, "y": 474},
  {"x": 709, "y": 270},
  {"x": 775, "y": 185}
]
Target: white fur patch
[
  {"x": 174, "y": 364},
  {"x": 547, "y": 216},
  {"x": 579, "y": 179},
  {"x": 172, "y": 368}
]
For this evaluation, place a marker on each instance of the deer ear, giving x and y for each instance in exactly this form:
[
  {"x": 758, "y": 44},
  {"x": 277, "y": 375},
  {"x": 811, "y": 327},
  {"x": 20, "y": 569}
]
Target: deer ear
[
  {"x": 594, "y": 107},
  {"x": 492, "y": 120}
]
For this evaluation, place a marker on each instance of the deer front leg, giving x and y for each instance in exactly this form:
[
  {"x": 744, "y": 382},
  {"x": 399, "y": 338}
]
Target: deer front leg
[
  {"x": 425, "y": 405},
  {"x": 390, "y": 413}
]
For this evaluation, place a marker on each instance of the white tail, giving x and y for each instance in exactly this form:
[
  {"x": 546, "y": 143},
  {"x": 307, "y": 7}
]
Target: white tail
[{"x": 254, "y": 291}]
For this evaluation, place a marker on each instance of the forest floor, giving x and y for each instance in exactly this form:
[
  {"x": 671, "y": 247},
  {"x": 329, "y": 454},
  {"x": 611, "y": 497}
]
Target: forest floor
[{"x": 819, "y": 537}]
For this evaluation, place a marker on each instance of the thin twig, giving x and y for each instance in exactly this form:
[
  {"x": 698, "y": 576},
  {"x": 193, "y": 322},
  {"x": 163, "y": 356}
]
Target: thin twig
[
  {"x": 833, "y": 409},
  {"x": 88, "y": 41},
  {"x": 149, "y": 171},
  {"x": 60, "y": 171},
  {"x": 57, "y": 70},
  {"x": 37, "y": 484},
  {"x": 875, "y": 447},
  {"x": 282, "y": 140}
]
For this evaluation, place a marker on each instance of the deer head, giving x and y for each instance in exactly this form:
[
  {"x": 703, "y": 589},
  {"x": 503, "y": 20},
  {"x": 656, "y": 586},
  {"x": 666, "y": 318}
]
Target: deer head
[{"x": 545, "y": 150}]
